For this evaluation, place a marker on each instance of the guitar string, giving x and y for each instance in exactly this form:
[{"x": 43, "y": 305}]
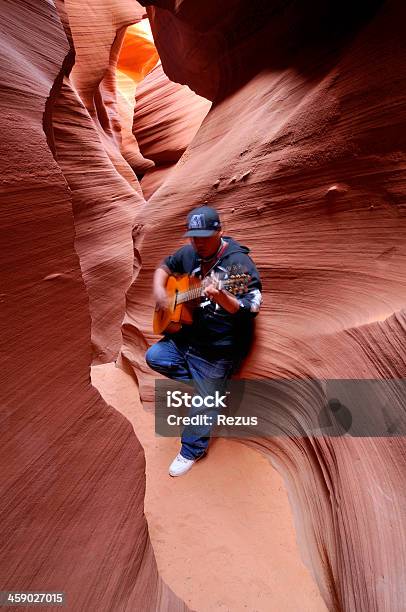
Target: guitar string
[{"x": 192, "y": 294}]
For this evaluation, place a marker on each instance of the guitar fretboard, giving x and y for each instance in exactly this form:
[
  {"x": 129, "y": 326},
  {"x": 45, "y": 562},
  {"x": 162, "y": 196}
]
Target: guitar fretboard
[
  {"x": 235, "y": 281},
  {"x": 191, "y": 294}
]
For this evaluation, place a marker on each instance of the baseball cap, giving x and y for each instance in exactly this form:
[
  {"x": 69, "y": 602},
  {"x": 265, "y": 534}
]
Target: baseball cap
[{"x": 203, "y": 221}]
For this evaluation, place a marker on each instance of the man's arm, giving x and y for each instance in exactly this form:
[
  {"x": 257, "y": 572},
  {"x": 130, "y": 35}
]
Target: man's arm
[
  {"x": 226, "y": 300},
  {"x": 173, "y": 264},
  {"x": 161, "y": 275},
  {"x": 246, "y": 305}
]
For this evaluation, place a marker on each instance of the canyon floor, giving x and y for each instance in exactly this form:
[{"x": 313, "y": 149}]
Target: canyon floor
[{"x": 223, "y": 534}]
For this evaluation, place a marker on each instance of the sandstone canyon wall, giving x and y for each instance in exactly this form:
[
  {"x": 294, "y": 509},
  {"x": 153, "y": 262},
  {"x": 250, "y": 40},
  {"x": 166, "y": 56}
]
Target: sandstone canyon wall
[
  {"x": 98, "y": 153},
  {"x": 89, "y": 149},
  {"x": 303, "y": 154},
  {"x": 166, "y": 119},
  {"x": 73, "y": 473}
]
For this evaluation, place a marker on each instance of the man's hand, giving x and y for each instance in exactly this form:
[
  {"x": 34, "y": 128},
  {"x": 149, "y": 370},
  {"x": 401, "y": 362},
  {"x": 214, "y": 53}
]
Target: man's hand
[
  {"x": 159, "y": 291},
  {"x": 228, "y": 301},
  {"x": 161, "y": 298}
]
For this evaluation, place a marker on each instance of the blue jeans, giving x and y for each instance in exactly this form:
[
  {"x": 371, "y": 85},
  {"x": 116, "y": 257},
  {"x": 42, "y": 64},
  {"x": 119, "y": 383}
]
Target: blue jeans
[{"x": 185, "y": 363}]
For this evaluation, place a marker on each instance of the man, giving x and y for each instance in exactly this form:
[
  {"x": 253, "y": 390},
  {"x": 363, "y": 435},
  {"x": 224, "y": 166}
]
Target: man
[{"x": 212, "y": 347}]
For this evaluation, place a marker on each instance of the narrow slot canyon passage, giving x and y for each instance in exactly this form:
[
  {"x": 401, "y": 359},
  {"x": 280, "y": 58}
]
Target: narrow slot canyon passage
[
  {"x": 118, "y": 118},
  {"x": 223, "y": 535}
]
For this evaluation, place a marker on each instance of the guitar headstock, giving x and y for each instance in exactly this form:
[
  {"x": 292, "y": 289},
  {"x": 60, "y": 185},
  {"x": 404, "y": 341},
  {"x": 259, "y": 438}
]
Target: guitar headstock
[
  {"x": 235, "y": 280},
  {"x": 237, "y": 284}
]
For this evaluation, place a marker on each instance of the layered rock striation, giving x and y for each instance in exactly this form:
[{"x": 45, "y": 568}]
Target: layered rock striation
[
  {"x": 302, "y": 152},
  {"x": 93, "y": 141},
  {"x": 94, "y": 158},
  {"x": 73, "y": 473},
  {"x": 166, "y": 119}
]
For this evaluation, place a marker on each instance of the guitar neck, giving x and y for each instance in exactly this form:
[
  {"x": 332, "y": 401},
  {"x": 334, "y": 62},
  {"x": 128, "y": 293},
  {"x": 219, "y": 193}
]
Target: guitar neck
[
  {"x": 191, "y": 294},
  {"x": 238, "y": 282}
]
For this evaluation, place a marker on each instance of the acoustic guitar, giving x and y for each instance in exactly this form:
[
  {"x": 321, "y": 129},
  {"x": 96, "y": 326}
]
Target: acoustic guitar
[{"x": 184, "y": 293}]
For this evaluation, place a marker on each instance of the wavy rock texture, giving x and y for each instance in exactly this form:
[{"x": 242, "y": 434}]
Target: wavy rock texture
[
  {"x": 94, "y": 73},
  {"x": 137, "y": 57},
  {"x": 99, "y": 154},
  {"x": 215, "y": 47},
  {"x": 73, "y": 474},
  {"x": 154, "y": 178},
  {"x": 92, "y": 152},
  {"x": 303, "y": 154},
  {"x": 166, "y": 119}
]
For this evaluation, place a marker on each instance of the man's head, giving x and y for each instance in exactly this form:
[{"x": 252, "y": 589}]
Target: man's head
[{"x": 204, "y": 230}]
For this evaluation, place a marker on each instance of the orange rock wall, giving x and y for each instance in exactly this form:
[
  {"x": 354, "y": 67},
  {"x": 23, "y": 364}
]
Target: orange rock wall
[
  {"x": 137, "y": 57},
  {"x": 166, "y": 119},
  {"x": 98, "y": 153},
  {"x": 73, "y": 473},
  {"x": 303, "y": 154},
  {"x": 90, "y": 152}
]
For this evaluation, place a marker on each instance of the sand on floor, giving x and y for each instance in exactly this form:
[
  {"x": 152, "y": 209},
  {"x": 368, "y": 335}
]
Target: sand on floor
[{"x": 223, "y": 534}]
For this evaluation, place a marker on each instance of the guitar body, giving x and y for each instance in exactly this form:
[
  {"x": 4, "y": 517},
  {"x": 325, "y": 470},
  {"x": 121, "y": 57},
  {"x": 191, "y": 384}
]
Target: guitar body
[
  {"x": 176, "y": 315},
  {"x": 184, "y": 294}
]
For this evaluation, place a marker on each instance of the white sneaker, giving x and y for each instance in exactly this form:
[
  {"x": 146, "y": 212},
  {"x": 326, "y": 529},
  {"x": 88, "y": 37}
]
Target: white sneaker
[{"x": 180, "y": 465}]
